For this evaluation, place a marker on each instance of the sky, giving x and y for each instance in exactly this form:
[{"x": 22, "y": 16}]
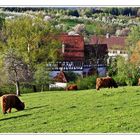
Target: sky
[{"x": 71, "y": 3}]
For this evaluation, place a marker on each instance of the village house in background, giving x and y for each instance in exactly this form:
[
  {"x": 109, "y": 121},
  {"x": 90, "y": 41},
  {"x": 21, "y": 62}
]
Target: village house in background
[
  {"x": 81, "y": 58},
  {"x": 115, "y": 44},
  {"x": 87, "y": 59},
  {"x": 72, "y": 52}
]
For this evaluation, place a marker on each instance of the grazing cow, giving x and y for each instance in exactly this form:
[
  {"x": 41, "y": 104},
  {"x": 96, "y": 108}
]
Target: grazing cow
[
  {"x": 10, "y": 101},
  {"x": 105, "y": 82},
  {"x": 72, "y": 87}
]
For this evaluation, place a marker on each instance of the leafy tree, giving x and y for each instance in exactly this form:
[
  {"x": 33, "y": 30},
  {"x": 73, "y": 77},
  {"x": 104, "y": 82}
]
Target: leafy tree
[
  {"x": 73, "y": 13},
  {"x": 112, "y": 68},
  {"x": 3, "y": 77},
  {"x": 88, "y": 12},
  {"x": 135, "y": 56},
  {"x": 121, "y": 11},
  {"x": 33, "y": 39},
  {"x": 133, "y": 74},
  {"x": 27, "y": 35},
  {"x": 42, "y": 76},
  {"x": 121, "y": 72},
  {"x": 133, "y": 38},
  {"x": 134, "y": 52},
  {"x": 126, "y": 73}
]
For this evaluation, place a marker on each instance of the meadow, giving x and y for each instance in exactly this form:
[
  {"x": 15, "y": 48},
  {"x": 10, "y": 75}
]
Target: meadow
[{"x": 83, "y": 111}]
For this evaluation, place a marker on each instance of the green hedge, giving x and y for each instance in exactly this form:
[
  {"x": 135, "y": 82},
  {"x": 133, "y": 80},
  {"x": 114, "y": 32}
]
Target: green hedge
[
  {"x": 7, "y": 89},
  {"x": 87, "y": 82}
]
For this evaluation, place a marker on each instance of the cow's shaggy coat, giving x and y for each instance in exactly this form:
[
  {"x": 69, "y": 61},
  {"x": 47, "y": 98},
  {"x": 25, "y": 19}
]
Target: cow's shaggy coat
[
  {"x": 105, "y": 82},
  {"x": 72, "y": 87},
  {"x": 10, "y": 101}
]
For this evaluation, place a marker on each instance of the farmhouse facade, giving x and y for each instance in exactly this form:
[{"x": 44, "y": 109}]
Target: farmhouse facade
[{"x": 116, "y": 45}]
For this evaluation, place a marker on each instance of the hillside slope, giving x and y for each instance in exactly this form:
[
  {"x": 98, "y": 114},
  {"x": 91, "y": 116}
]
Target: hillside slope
[{"x": 86, "y": 111}]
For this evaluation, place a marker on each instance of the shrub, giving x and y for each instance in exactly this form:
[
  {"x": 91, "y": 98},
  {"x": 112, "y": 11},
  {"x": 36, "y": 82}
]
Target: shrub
[
  {"x": 7, "y": 89},
  {"x": 26, "y": 88},
  {"x": 87, "y": 82},
  {"x": 71, "y": 76},
  {"x": 126, "y": 73},
  {"x": 120, "y": 80}
]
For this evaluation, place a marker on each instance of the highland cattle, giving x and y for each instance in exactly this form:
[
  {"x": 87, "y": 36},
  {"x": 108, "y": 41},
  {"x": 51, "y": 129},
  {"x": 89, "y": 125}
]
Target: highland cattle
[
  {"x": 9, "y": 101},
  {"x": 103, "y": 82}
]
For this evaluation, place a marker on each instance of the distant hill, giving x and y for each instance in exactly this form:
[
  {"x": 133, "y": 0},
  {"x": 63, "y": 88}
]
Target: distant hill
[{"x": 128, "y": 11}]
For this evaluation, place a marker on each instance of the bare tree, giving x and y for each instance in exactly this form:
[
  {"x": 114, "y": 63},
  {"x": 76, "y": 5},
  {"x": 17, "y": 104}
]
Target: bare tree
[{"x": 17, "y": 71}]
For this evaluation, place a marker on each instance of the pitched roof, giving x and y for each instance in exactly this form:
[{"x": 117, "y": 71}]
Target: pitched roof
[
  {"x": 60, "y": 77},
  {"x": 74, "y": 47},
  {"x": 112, "y": 42}
]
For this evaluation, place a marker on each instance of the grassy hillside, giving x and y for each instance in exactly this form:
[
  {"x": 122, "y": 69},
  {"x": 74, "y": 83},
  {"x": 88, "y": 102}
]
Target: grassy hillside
[{"x": 87, "y": 111}]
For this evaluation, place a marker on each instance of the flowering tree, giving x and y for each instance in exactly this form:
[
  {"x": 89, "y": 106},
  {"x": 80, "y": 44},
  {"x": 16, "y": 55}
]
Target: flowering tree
[{"x": 15, "y": 69}]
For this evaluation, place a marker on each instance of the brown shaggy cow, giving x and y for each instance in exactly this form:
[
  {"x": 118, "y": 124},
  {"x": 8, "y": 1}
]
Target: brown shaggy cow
[
  {"x": 105, "y": 82},
  {"x": 10, "y": 101},
  {"x": 72, "y": 87}
]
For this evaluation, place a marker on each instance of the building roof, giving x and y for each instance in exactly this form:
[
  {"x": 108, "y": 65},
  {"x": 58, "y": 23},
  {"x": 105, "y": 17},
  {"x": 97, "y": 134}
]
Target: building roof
[
  {"x": 73, "y": 47},
  {"x": 60, "y": 77},
  {"x": 112, "y": 42},
  {"x": 101, "y": 48}
]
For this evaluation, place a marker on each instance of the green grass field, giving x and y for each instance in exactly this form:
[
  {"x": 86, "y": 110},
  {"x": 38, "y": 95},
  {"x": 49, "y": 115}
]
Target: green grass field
[{"x": 85, "y": 111}]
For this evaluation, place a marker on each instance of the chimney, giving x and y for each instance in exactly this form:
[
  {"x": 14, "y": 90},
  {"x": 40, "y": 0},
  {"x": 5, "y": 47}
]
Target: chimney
[
  {"x": 63, "y": 47},
  {"x": 107, "y": 35}
]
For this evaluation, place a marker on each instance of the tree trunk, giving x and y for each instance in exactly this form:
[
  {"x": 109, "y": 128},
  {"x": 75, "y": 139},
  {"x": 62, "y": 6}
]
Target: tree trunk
[
  {"x": 34, "y": 88},
  {"x": 42, "y": 88},
  {"x": 17, "y": 88}
]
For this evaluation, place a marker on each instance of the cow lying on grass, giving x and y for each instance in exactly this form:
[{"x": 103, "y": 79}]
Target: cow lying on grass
[
  {"x": 10, "y": 101},
  {"x": 105, "y": 82},
  {"x": 72, "y": 87}
]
